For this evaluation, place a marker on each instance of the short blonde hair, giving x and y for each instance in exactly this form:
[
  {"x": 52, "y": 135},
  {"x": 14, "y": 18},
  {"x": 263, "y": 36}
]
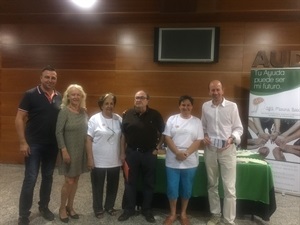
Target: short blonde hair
[{"x": 66, "y": 101}]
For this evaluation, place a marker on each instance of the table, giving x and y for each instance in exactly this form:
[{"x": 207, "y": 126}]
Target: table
[{"x": 254, "y": 187}]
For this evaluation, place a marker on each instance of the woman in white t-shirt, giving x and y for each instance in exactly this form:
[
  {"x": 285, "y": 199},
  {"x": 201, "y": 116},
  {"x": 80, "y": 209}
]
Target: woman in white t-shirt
[
  {"x": 183, "y": 134},
  {"x": 103, "y": 150}
]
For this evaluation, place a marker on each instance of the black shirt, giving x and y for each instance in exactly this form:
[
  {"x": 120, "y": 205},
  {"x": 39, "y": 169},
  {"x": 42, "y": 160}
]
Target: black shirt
[
  {"x": 42, "y": 116},
  {"x": 142, "y": 131}
]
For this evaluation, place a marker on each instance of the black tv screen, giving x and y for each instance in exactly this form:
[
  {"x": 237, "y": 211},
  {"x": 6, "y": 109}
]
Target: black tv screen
[{"x": 187, "y": 44}]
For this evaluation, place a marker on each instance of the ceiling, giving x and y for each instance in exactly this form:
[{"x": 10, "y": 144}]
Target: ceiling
[{"x": 149, "y": 11}]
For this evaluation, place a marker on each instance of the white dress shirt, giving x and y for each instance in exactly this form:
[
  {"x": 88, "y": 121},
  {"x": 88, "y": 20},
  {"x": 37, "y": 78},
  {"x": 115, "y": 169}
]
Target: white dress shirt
[{"x": 222, "y": 121}]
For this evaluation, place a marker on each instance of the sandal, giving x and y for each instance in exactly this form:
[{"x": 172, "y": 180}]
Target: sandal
[
  {"x": 111, "y": 211},
  {"x": 169, "y": 220},
  {"x": 184, "y": 221},
  {"x": 99, "y": 214}
]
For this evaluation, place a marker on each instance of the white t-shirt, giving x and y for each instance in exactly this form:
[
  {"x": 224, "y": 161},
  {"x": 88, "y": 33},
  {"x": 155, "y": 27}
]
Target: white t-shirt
[
  {"x": 183, "y": 133},
  {"x": 106, "y": 134}
]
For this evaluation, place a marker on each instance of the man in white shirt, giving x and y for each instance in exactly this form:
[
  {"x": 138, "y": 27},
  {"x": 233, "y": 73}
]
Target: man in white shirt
[{"x": 222, "y": 131}]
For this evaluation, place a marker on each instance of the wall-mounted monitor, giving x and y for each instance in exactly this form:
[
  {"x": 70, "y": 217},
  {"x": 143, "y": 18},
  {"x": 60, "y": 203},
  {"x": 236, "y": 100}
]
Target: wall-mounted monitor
[{"x": 196, "y": 45}]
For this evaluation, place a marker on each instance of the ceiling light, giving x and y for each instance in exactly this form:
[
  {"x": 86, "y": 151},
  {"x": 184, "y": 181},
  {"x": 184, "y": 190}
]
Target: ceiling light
[{"x": 84, "y": 3}]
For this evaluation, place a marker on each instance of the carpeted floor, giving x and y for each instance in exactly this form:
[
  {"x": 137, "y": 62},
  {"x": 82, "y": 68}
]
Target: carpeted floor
[{"x": 11, "y": 177}]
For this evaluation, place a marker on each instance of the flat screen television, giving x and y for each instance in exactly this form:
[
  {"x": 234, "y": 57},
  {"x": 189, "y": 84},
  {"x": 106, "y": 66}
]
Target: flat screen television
[{"x": 195, "y": 45}]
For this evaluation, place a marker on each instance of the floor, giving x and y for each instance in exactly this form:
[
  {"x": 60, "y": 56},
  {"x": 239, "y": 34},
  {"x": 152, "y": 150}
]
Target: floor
[{"x": 11, "y": 176}]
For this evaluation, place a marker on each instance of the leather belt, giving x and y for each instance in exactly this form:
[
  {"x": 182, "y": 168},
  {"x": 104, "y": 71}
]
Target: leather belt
[{"x": 142, "y": 150}]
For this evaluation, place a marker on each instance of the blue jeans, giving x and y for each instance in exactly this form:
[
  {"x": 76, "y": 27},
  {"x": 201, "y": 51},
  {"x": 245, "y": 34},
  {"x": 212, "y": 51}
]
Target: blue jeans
[{"x": 44, "y": 156}]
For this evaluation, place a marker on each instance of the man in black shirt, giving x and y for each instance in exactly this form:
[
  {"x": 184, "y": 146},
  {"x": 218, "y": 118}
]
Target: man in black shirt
[
  {"x": 35, "y": 123},
  {"x": 142, "y": 129}
]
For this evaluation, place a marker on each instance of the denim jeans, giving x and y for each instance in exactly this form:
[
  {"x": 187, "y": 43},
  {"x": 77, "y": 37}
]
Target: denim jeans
[{"x": 44, "y": 156}]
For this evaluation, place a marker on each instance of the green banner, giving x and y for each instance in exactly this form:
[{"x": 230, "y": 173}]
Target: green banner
[{"x": 272, "y": 81}]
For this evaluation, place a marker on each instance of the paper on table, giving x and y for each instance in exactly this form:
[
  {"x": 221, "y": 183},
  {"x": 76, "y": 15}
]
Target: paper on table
[
  {"x": 247, "y": 160},
  {"x": 161, "y": 156},
  {"x": 245, "y": 153},
  {"x": 201, "y": 152}
]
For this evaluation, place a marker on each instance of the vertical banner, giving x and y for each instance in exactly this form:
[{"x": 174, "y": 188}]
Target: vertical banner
[{"x": 274, "y": 123}]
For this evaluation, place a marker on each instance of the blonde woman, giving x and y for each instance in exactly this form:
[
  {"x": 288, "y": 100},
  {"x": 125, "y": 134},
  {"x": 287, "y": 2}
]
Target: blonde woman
[{"x": 71, "y": 131}]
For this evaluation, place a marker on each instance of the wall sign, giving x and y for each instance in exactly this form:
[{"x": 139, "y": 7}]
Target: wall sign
[{"x": 277, "y": 59}]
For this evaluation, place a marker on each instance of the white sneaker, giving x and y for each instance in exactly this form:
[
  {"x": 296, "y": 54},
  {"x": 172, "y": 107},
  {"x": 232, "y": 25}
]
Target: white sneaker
[
  {"x": 214, "y": 221},
  {"x": 226, "y": 223}
]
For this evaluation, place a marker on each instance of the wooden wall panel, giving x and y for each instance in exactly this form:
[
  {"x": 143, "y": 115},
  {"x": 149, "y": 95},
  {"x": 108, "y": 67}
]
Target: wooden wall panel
[
  {"x": 8, "y": 126},
  {"x": 93, "y": 81},
  {"x": 237, "y": 5},
  {"x": 173, "y": 83},
  {"x": 231, "y": 33},
  {"x": 90, "y": 34},
  {"x": 19, "y": 80},
  {"x": 9, "y": 103},
  {"x": 132, "y": 35},
  {"x": 67, "y": 7},
  {"x": 178, "y": 5},
  {"x": 254, "y": 5},
  {"x": 136, "y": 11},
  {"x": 65, "y": 57},
  {"x": 10, "y": 152},
  {"x": 272, "y": 33},
  {"x": 141, "y": 58}
]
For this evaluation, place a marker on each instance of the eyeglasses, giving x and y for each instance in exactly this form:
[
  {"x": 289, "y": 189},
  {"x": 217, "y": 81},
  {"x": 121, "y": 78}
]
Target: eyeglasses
[
  {"x": 110, "y": 138},
  {"x": 140, "y": 98}
]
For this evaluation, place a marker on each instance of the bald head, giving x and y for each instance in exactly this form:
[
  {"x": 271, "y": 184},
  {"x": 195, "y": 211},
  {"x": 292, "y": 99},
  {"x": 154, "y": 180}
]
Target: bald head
[{"x": 215, "y": 83}]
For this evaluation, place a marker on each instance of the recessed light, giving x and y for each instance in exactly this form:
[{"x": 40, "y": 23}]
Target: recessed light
[{"x": 84, "y": 3}]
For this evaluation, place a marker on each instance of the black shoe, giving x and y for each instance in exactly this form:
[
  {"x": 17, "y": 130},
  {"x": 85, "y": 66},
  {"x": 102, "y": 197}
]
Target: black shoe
[
  {"x": 149, "y": 216},
  {"x": 126, "y": 215},
  {"x": 23, "y": 221},
  {"x": 46, "y": 213},
  {"x": 75, "y": 216},
  {"x": 64, "y": 220}
]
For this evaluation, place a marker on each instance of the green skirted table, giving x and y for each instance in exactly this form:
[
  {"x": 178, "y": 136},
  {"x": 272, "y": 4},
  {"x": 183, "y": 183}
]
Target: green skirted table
[{"x": 254, "y": 187}]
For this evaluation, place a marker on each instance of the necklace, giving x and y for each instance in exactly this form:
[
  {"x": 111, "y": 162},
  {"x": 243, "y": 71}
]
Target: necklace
[{"x": 111, "y": 137}]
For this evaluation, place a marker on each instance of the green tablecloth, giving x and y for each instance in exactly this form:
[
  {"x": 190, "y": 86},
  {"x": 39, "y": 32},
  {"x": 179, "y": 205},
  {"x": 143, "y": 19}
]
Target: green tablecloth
[
  {"x": 254, "y": 181},
  {"x": 254, "y": 187}
]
